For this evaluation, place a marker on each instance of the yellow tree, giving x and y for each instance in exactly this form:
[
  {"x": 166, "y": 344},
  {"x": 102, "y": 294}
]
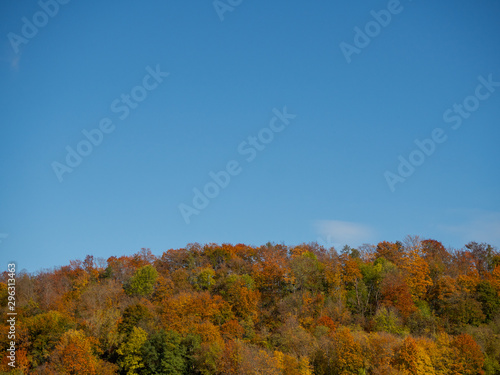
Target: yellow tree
[
  {"x": 130, "y": 351},
  {"x": 185, "y": 310},
  {"x": 412, "y": 359},
  {"x": 346, "y": 356},
  {"x": 440, "y": 352},
  {"x": 291, "y": 365}
]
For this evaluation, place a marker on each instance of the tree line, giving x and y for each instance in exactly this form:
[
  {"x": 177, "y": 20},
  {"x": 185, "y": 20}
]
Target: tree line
[{"x": 410, "y": 307}]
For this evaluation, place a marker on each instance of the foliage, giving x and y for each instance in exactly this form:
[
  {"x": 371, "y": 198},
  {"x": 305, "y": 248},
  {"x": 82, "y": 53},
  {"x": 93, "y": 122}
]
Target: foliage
[
  {"x": 164, "y": 353},
  {"x": 388, "y": 320},
  {"x": 411, "y": 358},
  {"x": 142, "y": 282},
  {"x": 74, "y": 355},
  {"x": 410, "y": 307},
  {"x": 44, "y": 332},
  {"x": 131, "y": 358}
]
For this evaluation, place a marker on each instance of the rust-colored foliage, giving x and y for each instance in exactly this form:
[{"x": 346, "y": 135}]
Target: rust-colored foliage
[
  {"x": 395, "y": 308},
  {"x": 271, "y": 271},
  {"x": 393, "y": 252},
  {"x": 381, "y": 351},
  {"x": 327, "y": 322},
  {"x": 468, "y": 357},
  {"x": 240, "y": 293},
  {"x": 436, "y": 255},
  {"x": 396, "y": 293},
  {"x": 232, "y": 329}
]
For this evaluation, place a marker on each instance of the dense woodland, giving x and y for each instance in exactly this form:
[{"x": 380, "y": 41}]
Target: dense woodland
[{"x": 410, "y": 307}]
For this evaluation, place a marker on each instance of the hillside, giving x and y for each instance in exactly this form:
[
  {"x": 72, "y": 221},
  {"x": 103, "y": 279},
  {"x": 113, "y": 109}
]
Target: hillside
[{"x": 394, "y": 308}]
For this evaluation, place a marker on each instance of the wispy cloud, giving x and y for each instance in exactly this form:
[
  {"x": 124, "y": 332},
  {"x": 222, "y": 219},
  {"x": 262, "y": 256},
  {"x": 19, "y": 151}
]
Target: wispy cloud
[
  {"x": 478, "y": 226},
  {"x": 338, "y": 233}
]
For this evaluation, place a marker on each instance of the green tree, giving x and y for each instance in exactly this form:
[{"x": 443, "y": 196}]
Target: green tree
[
  {"x": 308, "y": 272},
  {"x": 204, "y": 278},
  {"x": 164, "y": 353},
  {"x": 142, "y": 282},
  {"x": 461, "y": 310},
  {"x": 373, "y": 276},
  {"x": 488, "y": 297},
  {"x": 388, "y": 320},
  {"x": 136, "y": 315}
]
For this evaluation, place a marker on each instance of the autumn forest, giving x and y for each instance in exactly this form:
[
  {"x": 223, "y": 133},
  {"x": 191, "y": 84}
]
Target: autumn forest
[{"x": 410, "y": 307}]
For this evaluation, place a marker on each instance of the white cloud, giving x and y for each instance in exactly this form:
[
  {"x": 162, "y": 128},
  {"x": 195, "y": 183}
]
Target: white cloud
[
  {"x": 479, "y": 226},
  {"x": 338, "y": 233}
]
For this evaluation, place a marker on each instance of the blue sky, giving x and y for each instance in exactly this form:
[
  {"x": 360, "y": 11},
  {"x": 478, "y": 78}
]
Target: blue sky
[{"x": 329, "y": 169}]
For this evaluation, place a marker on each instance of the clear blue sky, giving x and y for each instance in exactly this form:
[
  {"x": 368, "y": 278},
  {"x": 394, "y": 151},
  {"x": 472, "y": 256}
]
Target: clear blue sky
[{"x": 323, "y": 177}]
